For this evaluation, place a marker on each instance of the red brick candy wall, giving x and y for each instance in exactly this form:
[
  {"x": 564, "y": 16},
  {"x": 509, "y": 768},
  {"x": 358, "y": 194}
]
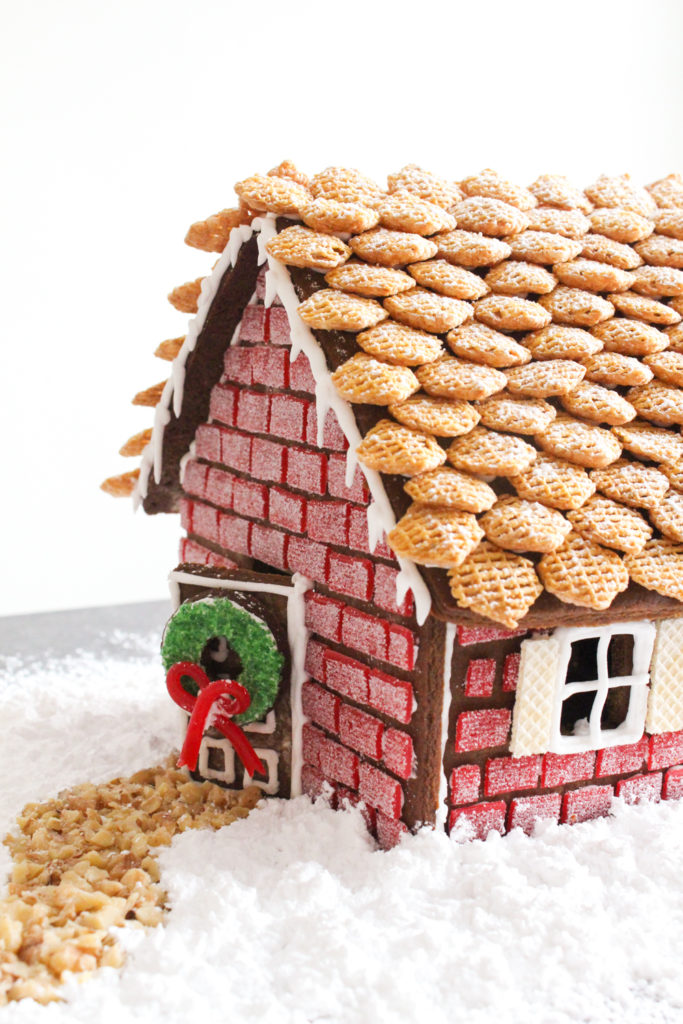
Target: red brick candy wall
[
  {"x": 501, "y": 792},
  {"x": 260, "y": 490}
]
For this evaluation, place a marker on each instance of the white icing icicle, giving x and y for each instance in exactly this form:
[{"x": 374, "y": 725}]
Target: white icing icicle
[
  {"x": 381, "y": 519},
  {"x": 174, "y": 388},
  {"x": 187, "y": 457},
  {"x": 303, "y": 340}
]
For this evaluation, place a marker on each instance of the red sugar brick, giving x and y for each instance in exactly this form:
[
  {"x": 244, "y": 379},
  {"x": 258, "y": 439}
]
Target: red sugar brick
[
  {"x": 268, "y": 460},
  {"x": 220, "y": 561},
  {"x": 349, "y": 575},
  {"x": 234, "y": 534},
  {"x": 358, "y": 525},
  {"x": 253, "y": 325},
  {"x": 402, "y": 647},
  {"x": 511, "y": 672},
  {"x": 328, "y": 521},
  {"x": 619, "y": 760},
  {"x": 336, "y": 482},
  {"x": 480, "y": 818},
  {"x": 249, "y": 498},
  {"x": 561, "y": 769},
  {"x": 465, "y": 783},
  {"x": 287, "y": 510},
  {"x": 314, "y": 661},
  {"x": 380, "y": 790},
  {"x": 390, "y": 831},
  {"x": 300, "y": 376},
  {"x": 186, "y": 514},
  {"x": 504, "y": 774},
  {"x": 190, "y": 551},
  {"x": 269, "y": 546},
  {"x": 253, "y": 412},
  {"x": 365, "y": 633},
  {"x": 478, "y": 730},
  {"x": 641, "y": 789},
  {"x": 324, "y": 615},
  {"x": 307, "y": 470},
  {"x": 308, "y": 558},
  {"x": 348, "y": 798},
  {"x": 398, "y": 753},
  {"x": 481, "y": 673},
  {"x": 391, "y": 696},
  {"x": 220, "y": 487},
  {"x": 332, "y": 438},
  {"x": 278, "y": 326},
  {"x": 359, "y": 539},
  {"x": 236, "y": 450},
  {"x": 207, "y": 442},
  {"x": 270, "y": 366},
  {"x": 321, "y": 706},
  {"x": 527, "y": 810},
  {"x": 205, "y": 522},
  {"x": 665, "y": 749},
  {"x": 223, "y": 404},
  {"x": 237, "y": 365},
  {"x": 360, "y": 731},
  {"x": 194, "y": 479},
  {"x": 673, "y": 784},
  {"x": 331, "y": 758},
  {"x": 346, "y": 676},
  {"x": 485, "y": 634},
  {"x": 586, "y": 803},
  {"x": 288, "y": 417},
  {"x": 385, "y": 592},
  {"x": 313, "y": 782},
  {"x": 260, "y": 291}
]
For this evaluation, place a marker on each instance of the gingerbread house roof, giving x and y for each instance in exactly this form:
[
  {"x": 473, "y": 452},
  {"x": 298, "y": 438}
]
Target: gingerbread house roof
[{"x": 506, "y": 363}]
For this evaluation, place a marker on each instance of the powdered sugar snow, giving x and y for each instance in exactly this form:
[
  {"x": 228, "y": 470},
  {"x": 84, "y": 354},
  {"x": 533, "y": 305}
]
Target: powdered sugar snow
[{"x": 291, "y": 915}]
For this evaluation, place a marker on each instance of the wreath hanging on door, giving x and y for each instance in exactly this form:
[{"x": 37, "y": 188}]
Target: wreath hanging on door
[{"x": 197, "y": 622}]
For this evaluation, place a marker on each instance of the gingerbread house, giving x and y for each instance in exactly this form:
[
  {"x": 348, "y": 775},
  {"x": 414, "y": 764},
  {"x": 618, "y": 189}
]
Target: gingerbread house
[{"x": 425, "y": 446}]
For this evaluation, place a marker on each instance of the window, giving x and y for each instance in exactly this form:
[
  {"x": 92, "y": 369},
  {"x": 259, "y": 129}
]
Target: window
[
  {"x": 601, "y": 686},
  {"x": 217, "y": 760}
]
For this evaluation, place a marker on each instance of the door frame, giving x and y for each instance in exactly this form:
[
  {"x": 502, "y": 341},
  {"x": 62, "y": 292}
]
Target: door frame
[{"x": 297, "y": 637}]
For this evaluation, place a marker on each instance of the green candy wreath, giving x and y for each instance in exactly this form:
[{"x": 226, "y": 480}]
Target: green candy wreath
[{"x": 197, "y": 622}]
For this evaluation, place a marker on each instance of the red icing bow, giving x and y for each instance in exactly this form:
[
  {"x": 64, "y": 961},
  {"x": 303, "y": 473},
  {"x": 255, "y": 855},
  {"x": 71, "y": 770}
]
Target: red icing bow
[{"x": 220, "y": 700}]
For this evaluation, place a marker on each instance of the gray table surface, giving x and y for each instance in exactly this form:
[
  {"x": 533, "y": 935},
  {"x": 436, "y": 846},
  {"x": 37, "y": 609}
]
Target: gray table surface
[{"x": 122, "y": 631}]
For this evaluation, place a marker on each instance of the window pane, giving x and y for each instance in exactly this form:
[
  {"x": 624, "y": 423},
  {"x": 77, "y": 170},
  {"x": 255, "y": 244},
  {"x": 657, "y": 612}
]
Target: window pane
[
  {"x": 620, "y": 655},
  {"x": 616, "y": 707},
  {"x": 216, "y": 759},
  {"x": 575, "y": 709},
  {"x": 583, "y": 661}
]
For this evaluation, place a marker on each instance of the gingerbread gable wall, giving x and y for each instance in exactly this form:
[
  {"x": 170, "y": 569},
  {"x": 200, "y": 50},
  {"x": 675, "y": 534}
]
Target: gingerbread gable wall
[{"x": 260, "y": 492}]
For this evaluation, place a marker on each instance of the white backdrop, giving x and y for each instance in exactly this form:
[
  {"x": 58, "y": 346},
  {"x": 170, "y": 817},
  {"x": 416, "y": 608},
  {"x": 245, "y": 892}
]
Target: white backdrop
[{"x": 125, "y": 122}]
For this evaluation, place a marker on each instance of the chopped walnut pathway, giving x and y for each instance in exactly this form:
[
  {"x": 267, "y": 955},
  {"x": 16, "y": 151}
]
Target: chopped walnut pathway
[{"x": 85, "y": 861}]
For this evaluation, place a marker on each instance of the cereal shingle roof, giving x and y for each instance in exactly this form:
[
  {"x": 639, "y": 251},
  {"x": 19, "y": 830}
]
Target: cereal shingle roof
[{"x": 529, "y": 338}]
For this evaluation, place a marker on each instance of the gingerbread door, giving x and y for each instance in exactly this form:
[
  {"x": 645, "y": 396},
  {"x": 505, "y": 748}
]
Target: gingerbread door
[{"x": 248, "y": 628}]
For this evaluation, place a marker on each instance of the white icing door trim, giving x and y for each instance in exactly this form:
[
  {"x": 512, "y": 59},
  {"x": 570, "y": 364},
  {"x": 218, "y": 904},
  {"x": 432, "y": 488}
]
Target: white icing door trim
[{"x": 297, "y": 636}]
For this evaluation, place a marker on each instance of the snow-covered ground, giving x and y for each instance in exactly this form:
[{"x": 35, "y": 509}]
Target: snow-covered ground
[{"x": 291, "y": 916}]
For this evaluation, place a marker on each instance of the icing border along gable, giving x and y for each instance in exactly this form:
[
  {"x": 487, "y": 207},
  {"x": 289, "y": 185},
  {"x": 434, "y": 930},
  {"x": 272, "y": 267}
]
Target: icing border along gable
[
  {"x": 174, "y": 387},
  {"x": 381, "y": 518}
]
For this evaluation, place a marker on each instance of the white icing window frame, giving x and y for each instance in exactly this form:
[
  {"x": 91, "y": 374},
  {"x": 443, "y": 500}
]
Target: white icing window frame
[
  {"x": 633, "y": 726},
  {"x": 271, "y": 784},
  {"x": 227, "y": 776}
]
